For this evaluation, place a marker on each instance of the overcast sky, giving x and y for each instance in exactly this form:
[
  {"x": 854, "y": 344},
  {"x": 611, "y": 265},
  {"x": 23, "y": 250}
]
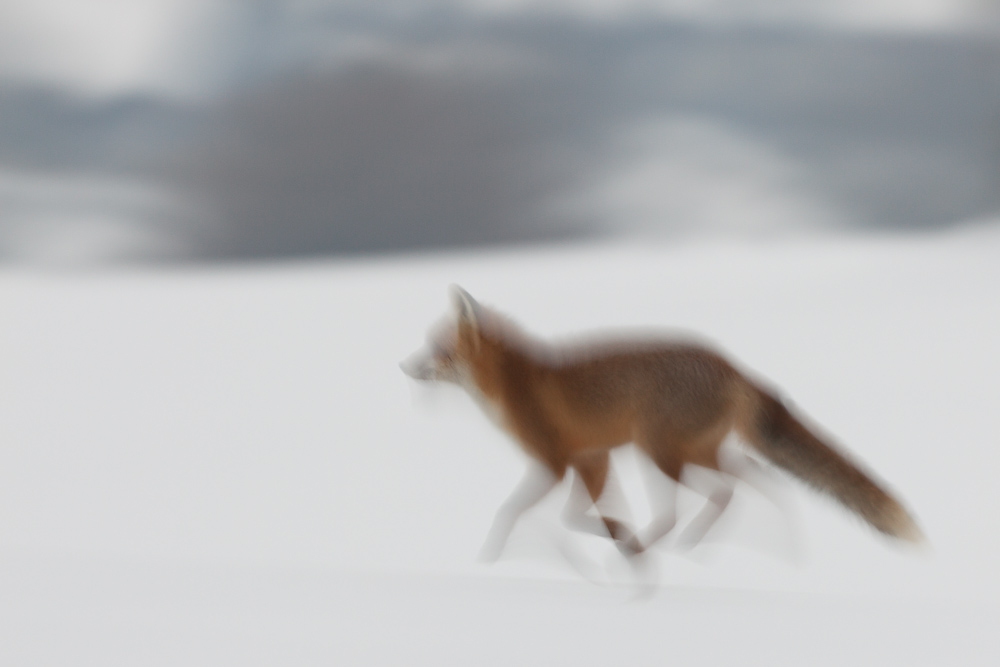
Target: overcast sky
[{"x": 224, "y": 130}]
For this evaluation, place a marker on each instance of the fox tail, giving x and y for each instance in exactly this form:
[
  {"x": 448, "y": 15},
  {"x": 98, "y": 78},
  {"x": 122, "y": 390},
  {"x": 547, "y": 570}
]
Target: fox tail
[{"x": 782, "y": 439}]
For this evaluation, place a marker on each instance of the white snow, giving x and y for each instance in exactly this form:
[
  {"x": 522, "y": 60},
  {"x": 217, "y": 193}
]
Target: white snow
[{"x": 226, "y": 466}]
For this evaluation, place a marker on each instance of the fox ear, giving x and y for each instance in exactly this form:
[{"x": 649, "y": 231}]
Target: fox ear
[{"x": 466, "y": 307}]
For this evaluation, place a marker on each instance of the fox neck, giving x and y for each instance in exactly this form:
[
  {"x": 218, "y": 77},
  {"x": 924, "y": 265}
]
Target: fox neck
[
  {"x": 491, "y": 406},
  {"x": 487, "y": 377}
]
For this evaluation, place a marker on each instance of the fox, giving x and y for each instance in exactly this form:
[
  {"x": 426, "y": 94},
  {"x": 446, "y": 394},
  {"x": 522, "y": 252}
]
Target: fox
[{"x": 569, "y": 405}]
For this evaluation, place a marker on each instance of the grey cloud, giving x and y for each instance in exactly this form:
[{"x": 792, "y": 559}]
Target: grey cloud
[
  {"x": 383, "y": 156},
  {"x": 457, "y": 131}
]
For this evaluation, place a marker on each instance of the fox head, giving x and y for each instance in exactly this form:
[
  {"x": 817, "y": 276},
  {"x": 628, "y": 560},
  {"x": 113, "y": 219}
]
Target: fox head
[{"x": 452, "y": 349}]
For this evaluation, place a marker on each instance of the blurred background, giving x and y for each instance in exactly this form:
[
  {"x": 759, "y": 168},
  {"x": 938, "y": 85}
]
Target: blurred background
[
  {"x": 215, "y": 130},
  {"x": 224, "y": 464}
]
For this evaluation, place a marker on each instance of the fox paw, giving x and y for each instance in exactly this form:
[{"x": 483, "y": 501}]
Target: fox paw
[
  {"x": 490, "y": 552},
  {"x": 630, "y": 547}
]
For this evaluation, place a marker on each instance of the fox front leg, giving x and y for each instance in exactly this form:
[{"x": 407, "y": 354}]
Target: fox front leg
[
  {"x": 538, "y": 480},
  {"x": 591, "y": 490}
]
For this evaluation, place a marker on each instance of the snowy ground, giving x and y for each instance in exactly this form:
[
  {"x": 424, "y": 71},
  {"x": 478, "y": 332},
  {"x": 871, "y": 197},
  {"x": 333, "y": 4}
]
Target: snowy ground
[{"x": 226, "y": 466}]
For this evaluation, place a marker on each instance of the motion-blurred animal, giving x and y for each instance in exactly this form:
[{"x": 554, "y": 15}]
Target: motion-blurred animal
[{"x": 568, "y": 406}]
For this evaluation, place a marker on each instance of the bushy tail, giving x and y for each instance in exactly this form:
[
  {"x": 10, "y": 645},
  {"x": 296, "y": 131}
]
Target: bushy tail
[{"x": 784, "y": 441}]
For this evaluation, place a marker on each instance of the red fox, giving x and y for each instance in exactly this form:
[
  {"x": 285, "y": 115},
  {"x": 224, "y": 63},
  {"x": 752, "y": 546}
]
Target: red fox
[{"x": 570, "y": 406}]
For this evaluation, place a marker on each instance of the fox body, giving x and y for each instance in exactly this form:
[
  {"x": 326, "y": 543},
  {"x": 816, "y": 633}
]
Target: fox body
[{"x": 676, "y": 401}]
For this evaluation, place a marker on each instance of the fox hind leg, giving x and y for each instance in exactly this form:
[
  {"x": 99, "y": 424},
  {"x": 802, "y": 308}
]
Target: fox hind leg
[
  {"x": 671, "y": 452},
  {"x": 718, "y": 492}
]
